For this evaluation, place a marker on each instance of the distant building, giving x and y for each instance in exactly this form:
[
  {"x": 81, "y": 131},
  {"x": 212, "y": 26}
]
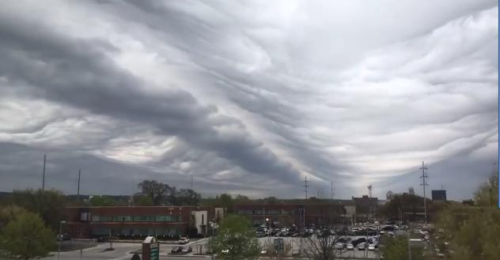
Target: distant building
[
  {"x": 137, "y": 222},
  {"x": 411, "y": 191},
  {"x": 439, "y": 195},
  {"x": 389, "y": 195},
  {"x": 365, "y": 206}
]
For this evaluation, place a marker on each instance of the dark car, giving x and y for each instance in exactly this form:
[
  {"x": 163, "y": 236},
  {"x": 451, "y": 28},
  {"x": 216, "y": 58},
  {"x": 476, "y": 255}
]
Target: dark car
[
  {"x": 176, "y": 250},
  {"x": 186, "y": 249},
  {"x": 103, "y": 239},
  {"x": 358, "y": 241},
  {"x": 63, "y": 237}
]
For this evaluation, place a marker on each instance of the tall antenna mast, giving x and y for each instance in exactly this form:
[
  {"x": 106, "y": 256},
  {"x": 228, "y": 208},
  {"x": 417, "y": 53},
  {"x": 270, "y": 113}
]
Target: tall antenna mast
[
  {"x": 424, "y": 183},
  {"x": 305, "y": 186},
  {"x": 43, "y": 175},
  {"x": 331, "y": 190},
  {"x": 78, "y": 192}
]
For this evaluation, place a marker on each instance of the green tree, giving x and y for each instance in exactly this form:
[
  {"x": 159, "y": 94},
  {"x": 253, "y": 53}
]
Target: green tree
[
  {"x": 407, "y": 203},
  {"x": 396, "y": 248},
  {"x": 487, "y": 194},
  {"x": 141, "y": 200},
  {"x": 157, "y": 191},
  {"x": 10, "y": 212},
  {"x": 226, "y": 201},
  {"x": 472, "y": 231},
  {"x": 271, "y": 200},
  {"x": 26, "y": 237},
  {"x": 241, "y": 199},
  {"x": 188, "y": 197},
  {"x": 101, "y": 201},
  {"x": 235, "y": 239},
  {"x": 49, "y": 204}
]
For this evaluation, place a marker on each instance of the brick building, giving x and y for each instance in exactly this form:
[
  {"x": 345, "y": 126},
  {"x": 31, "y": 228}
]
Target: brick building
[
  {"x": 162, "y": 221},
  {"x": 287, "y": 214}
]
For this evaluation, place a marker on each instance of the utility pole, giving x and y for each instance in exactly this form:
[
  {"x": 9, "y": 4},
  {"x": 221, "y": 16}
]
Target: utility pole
[
  {"x": 332, "y": 204},
  {"x": 305, "y": 186},
  {"x": 331, "y": 190},
  {"x": 78, "y": 192},
  {"x": 191, "y": 182},
  {"x": 43, "y": 175},
  {"x": 424, "y": 183}
]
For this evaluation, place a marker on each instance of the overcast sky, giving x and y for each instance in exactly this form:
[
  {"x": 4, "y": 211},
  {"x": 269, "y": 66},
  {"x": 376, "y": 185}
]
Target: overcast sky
[{"x": 249, "y": 97}]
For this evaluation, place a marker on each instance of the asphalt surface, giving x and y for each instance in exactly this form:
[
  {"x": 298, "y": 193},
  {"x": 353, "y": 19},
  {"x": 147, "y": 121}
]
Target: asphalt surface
[{"x": 122, "y": 251}]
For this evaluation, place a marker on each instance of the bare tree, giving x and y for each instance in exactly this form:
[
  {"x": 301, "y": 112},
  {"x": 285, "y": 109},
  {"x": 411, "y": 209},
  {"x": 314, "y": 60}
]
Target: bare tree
[
  {"x": 322, "y": 247},
  {"x": 272, "y": 253}
]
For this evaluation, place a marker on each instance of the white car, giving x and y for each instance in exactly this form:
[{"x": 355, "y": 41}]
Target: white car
[
  {"x": 371, "y": 247},
  {"x": 350, "y": 246},
  {"x": 183, "y": 240},
  {"x": 361, "y": 246},
  {"x": 225, "y": 251},
  {"x": 339, "y": 246}
]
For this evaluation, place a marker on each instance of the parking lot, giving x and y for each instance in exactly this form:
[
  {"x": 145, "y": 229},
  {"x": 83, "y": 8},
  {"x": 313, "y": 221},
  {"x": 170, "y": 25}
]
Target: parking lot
[{"x": 298, "y": 243}]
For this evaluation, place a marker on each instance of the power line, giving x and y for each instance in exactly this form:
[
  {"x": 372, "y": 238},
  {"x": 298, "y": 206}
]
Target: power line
[{"x": 424, "y": 183}]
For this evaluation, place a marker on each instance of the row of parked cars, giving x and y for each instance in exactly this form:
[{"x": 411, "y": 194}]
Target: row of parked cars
[
  {"x": 181, "y": 250},
  {"x": 276, "y": 232},
  {"x": 361, "y": 243}
]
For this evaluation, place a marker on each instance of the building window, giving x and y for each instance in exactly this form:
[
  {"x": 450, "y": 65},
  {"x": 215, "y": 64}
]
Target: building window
[
  {"x": 258, "y": 212},
  {"x": 273, "y": 212},
  {"x": 244, "y": 212}
]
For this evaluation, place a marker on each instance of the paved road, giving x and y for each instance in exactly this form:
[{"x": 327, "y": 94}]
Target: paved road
[{"x": 122, "y": 251}]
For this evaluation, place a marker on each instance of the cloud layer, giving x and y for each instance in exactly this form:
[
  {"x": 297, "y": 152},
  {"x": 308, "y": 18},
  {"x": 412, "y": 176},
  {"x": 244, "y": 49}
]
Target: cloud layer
[{"x": 248, "y": 97}]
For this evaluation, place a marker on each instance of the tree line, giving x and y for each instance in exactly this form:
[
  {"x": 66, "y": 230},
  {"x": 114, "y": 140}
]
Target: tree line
[
  {"x": 462, "y": 231},
  {"x": 151, "y": 193}
]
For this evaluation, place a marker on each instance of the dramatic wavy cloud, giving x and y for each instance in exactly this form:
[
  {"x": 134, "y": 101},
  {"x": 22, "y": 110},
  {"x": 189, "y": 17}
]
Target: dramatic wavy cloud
[{"x": 249, "y": 97}]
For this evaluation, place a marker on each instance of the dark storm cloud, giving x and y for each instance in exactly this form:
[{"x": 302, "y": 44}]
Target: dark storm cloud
[
  {"x": 77, "y": 74},
  {"x": 98, "y": 176},
  {"x": 251, "y": 96}
]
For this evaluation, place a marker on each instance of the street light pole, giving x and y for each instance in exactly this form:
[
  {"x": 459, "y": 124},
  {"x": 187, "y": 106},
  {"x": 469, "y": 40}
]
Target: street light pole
[
  {"x": 60, "y": 238},
  {"x": 409, "y": 246}
]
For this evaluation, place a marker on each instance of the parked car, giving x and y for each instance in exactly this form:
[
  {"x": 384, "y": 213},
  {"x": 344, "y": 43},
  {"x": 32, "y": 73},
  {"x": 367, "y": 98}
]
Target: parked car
[
  {"x": 371, "y": 247},
  {"x": 176, "y": 250},
  {"x": 225, "y": 251},
  {"x": 361, "y": 246},
  {"x": 339, "y": 245},
  {"x": 183, "y": 240},
  {"x": 263, "y": 251},
  {"x": 63, "y": 237},
  {"x": 296, "y": 252},
  {"x": 186, "y": 249},
  {"x": 350, "y": 246},
  {"x": 358, "y": 241},
  {"x": 103, "y": 239}
]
